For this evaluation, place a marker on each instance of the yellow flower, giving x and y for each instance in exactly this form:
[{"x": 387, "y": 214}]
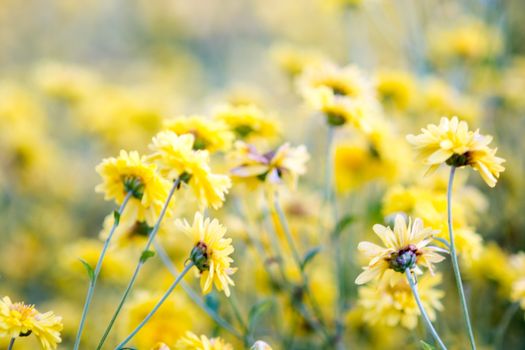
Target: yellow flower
[
  {"x": 191, "y": 341},
  {"x": 451, "y": 142},
  {"x": 210, "y": 134},
  {"x": 390, "y": 302},
  {"x": 248, "y": 122},
  {"x": 177, "y": 159},
  {"x": 395, "y": 88},
  {"x": 293, "y": 60},
  {"x": 343, "y": 95},
  {"x": 211, "y": 252},
  {"x": 18, "y": 319},
  {"x": 285, "y": 164},
  {"x": 131, "y": 173},
  {"x": 406, "y": 247}
]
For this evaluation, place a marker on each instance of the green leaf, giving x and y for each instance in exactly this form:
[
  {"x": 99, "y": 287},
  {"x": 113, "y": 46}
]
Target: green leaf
[
  {"x": 256, "y": 311},
  {"x": 342, "y": 224},
  {"x": 310, "y": 254},
  {"x": 89, "y": 269},
  {"x": 426, "y": 346},
  {"x": 146, "y": 255},
  {"x": 116, "y": 216}
]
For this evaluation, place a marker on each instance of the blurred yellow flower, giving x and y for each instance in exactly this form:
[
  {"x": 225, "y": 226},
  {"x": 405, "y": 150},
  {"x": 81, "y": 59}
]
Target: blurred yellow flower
[
  {"x": 293, "y": 60},
  {"x": 283, "y": 165},
  {"x": 211, "y": 252},
  {"x": 395, "y": 88},
  {"x": 248, "y": 122},
  {"x": 210, "y": 134},
  {"x": 451, "y": 142},
  {"x": 191, "y": 341},
  {"x": 406, "y": 247},
  {"x": 20, "y": 320},
  {"x": 131, "y": 173},
  {"x": 390, "y": 301},
  {"x": 177, "y": 160}
]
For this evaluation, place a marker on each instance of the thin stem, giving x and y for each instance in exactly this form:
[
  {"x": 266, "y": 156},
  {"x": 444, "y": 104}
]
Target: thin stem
[
  {"x": 455, "y": 264},
  {"x": 11, "y": 344},
  {"x": 191, "y": 293},
  {"x": 156, "y": 307},
  {"x": 98, "y": 267},
  {"x": 504, "y": 324},
  {"x": 287, "y": 233},
  {"x": 424, "y": 314},
  {"x": 176, "y": 185}
]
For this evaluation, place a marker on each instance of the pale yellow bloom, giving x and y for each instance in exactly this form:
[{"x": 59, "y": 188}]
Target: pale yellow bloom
[
  {"x": 248, "y": 122},
  {"x": 191, "y": 341},
  {"x": 451, "y": 142},
  {"x": 177, "y": 160},
  {"x": 406, "y": 247},
  {"x": 132, "y": 173},
  {"x": 211, "y": 252}
]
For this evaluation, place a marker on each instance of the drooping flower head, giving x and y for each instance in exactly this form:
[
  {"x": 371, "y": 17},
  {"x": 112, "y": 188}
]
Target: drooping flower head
[
  {"x": 248, "y": 122},
  {"x": 211, "y": 252},
  {"x": 451, "y": 142},
  {"x": 20, "y": 320},
  {"x": 406, "y": 247},
  {"x": 190, "y": 341},
  {"x": 130, "y": 172},
  {"x": 177, "y": 160},
  {"x": 343, "y": 95},
  {"x": 390, "y": 302},
  {"x": 210, "y": 134},
  {"x": 283, "y": 165}
]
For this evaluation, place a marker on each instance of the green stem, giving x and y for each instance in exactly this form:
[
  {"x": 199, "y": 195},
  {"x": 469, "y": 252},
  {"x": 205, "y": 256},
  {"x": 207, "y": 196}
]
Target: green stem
[
  {"x": 504, "y": 324},
  {"x": 156, "y": 307},
  {"x": 11, "y": 344},
  {"x": 424, "y": 315},
  {"x": 455, "y": 264},
  {"x": 96, "y": 273},
  {"x": 176, "y": 185},
  {"x": 191, "y": 293}
]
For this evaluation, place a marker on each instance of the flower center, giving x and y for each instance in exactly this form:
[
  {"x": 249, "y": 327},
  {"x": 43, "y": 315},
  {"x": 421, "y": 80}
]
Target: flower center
[
  {"x": 403, "y": 259},
  {"x": 459, "y": 160}
]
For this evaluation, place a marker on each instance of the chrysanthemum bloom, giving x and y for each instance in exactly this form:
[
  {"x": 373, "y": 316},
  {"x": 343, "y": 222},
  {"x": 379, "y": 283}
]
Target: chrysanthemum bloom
[
  {"x": 390, "y": 302},
  {"x": 283, "y": 165},
  {"x": 248, "y": 122},
  {"x": 452, "y": 143},
  {"x": 210, "y": 134},
  {"x": 131, "y": 173},
  {"x": 406, "y": 247},
  {"x": 177, "y": 160},
  {"x": 19, "y": 320},
  {"x": 343, "y": 95},
  {"x": 211, "y": 252},
  {"x": 395, "y": 88},
  {"x": 192, "y": 342}
]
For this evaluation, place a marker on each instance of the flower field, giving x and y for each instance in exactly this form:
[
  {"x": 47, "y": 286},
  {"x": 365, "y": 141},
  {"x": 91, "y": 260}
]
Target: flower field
[{"x": 248, "y": 174}]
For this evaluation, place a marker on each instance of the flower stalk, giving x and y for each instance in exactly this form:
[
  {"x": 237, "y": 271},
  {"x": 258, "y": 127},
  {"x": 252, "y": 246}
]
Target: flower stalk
[
  {"x": 424, "y": 314},
  {"x": 156, "y": 307},
  {"x": 98, "y": 267},
  {"x": 455, "y": 264},
  {"x": 176, "y": 185},
  {"x": 11, "y": 344}
]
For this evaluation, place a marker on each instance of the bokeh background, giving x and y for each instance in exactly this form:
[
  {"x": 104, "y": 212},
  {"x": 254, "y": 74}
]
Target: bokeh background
[{"x": 80, "y": 80}]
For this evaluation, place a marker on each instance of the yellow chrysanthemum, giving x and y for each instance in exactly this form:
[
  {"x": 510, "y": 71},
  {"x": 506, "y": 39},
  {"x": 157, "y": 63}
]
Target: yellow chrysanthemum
[
  {"x": 395, "y": 88},
  {"x": 343, "y": 95},
  {"x": 406, "y": 247},
  {"x": 390, "y": 302},
  {"x": 132, "y": 173},
  {"x": 190, "y": 341},
  {"x": 177, "y": 159},
  {"x": 285, "y": 164},
  {"x": 211, "y": 252},
  {"x": 210, "y": 134},
  {"x": 451, "y": 142},
  {"x": 248, "y": 122},
  {"x": 18, "y": 319}
]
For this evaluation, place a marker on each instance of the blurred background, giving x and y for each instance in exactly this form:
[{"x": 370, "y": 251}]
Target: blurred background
[{"x": 81, "y": 80}]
